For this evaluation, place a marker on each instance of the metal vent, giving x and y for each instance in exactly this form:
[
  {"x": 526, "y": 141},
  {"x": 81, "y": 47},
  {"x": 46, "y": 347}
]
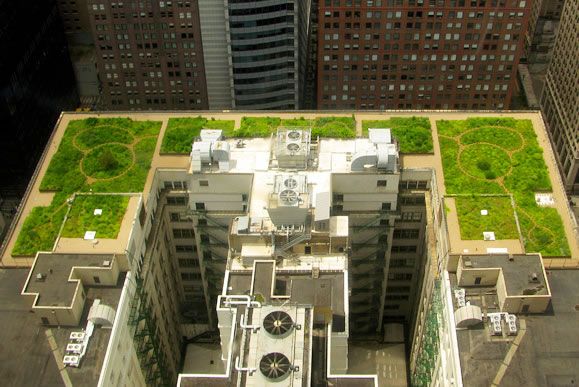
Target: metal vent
[
  {"x": 293, "y": 147},
  {"x": 294, "y": 135},
  {"x": 278, "y": 323},
  {"x": 290, "y": 183},
  {"x": 274, "y": 365},
  {"x": 288, "y": 196}
]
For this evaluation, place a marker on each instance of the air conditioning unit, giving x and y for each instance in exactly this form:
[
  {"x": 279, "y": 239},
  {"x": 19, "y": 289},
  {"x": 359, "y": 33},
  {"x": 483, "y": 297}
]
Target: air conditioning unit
[
  {"x": 293, "y": 136},
  {"x": 74, "y": 348},
  {"x": 71, "y": 360}
]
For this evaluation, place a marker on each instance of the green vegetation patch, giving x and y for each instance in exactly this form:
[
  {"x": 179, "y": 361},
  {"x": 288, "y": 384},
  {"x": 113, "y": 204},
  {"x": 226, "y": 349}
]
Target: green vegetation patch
[
  {"x": 485, "y": 161},
  {"x": 106, "y": 134},
  {"x": 413, "y": 133},
  {"x": 118, "y": 159},
  {"x": 508, "y": 139},
  {"x": 326, "y": 127},
  {"x": 181, "y": 132},
  {"x": 107, "y": 161},
  {"x": 500, "y": 218},
  {"x": 82, "y": 218},
  {"x": 502, "y": 156}
]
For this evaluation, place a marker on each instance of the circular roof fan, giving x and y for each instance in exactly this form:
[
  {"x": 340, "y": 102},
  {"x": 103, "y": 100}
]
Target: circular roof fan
[
  {"x": 294, "y": 135},
  {"x": 290, "y": 183},
  {"x": 274, "y": 365},
  {"x": 278, "y": 323},
  {"x": 293, "y": 147},
  {"x": 288, "y": 196}
]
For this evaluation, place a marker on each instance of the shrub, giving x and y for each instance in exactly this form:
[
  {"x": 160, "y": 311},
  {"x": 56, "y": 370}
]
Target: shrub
[
  {"x": 483, "y": 165},
  {"x": 107, "y": 160},
  {"x": 490, "y": 175}
]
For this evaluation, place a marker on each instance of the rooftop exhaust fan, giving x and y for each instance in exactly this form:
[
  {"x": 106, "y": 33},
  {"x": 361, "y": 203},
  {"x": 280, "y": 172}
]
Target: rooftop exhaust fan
[
  {"x": 275, "y": 366},
  {"x": 278, "y": 323},
  {"x": 288, "y": 197},
  {"x": 293, "y": 147},
  {"x": 290, "y": 183},
  {"x": 294, "y": 135}
]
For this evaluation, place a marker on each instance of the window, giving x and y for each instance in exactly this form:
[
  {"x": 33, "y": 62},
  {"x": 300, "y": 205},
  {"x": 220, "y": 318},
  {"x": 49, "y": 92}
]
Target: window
[
  {"x": 177, "y": 200},
  {"x": 398, "y": 289},
  {"x": 45, "y": 321},
  {"x": 200, "y": 206},
  {"x": 181, "y": 233},
  {"x": 188, "y": 262},
  {"x": 203, "y": 183},
  {"x": 406, "y": 234},
  {"x": 180, "y": 185},
  {"x": 96, "y": 280},
  {"x": 381, "y": 183},
  {"x": 184, "y": 248},
  {"x": 190, "y": 276},
  {"x": 386, "y": 206},
  {"x": 411, "y": 216},
  {"x": 400, "y": 276},
  {"x": 477, "y": 280}
]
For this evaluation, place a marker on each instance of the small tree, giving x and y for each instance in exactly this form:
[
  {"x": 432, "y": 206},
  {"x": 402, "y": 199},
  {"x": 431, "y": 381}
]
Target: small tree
[{"x": 108, "y": 161}]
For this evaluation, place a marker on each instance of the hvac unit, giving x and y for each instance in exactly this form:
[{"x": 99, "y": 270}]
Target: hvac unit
[
  {"x": 275, "y": 366},
  {"x": 496, "y": 327},
  {"x": 278, "y": 324},
  {"x": 71, "y": 360},
  {"x": 74, "y": 348}
]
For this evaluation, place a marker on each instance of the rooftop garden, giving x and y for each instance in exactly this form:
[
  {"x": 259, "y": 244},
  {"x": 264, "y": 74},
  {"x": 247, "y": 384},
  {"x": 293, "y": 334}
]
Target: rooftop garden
[
  {"x": 95, "y": 155},
  {"x": 181, "y": 132},
  {"x": 498, "y": 217},
  {"x": 502, "y": 156},
  {"x": 413, "y": 133},
  {"x": 84, "y": 217},
  {"x": 329, "y": 127}
]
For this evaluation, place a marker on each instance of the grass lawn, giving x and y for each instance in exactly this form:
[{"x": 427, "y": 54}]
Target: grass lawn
[
  {"x": 327, "y": 127},
  {"x": 181, "y": 132},
  {"x": 413, "y": 133},
  {"x": 81, "y": 217},
  {"x": 102, "y": 155},
  {"x": 500, "y": 218},
  {"x": 502, "y": 156}
]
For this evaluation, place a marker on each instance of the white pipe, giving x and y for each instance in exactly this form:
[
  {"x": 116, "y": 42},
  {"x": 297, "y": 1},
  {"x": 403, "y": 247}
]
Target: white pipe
[
  {"x": 244, "y": 326},
  {"x": 238, "y": 367},
  {"x": 247, "y": 301}
]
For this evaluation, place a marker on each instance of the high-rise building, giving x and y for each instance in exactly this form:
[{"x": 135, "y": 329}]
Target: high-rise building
[
  {"x": 192, "y": 55},
  {"x": 279, "y": 252},
  {"x": 401, "y": 54},
  {"x": 560, "y": 100},
  {"x": 540, "y": 36},
  {"x": 37, "y": 84}
]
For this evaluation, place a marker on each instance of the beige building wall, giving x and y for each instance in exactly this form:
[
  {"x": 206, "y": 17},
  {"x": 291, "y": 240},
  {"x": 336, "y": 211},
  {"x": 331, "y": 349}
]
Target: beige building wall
[
  {"x": 121, "y": 365},
  {"x": 560, "y": 99}
]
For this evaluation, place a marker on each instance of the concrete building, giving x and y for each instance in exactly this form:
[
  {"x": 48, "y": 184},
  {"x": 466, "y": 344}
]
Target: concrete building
[
  {"x": 543, "y": 24},
  {"x": 559, "y": 99},
  {"x": 290, "y": 247},
  {"x": 412, "y": 55},
  {"x": 202, "y": 55}
]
